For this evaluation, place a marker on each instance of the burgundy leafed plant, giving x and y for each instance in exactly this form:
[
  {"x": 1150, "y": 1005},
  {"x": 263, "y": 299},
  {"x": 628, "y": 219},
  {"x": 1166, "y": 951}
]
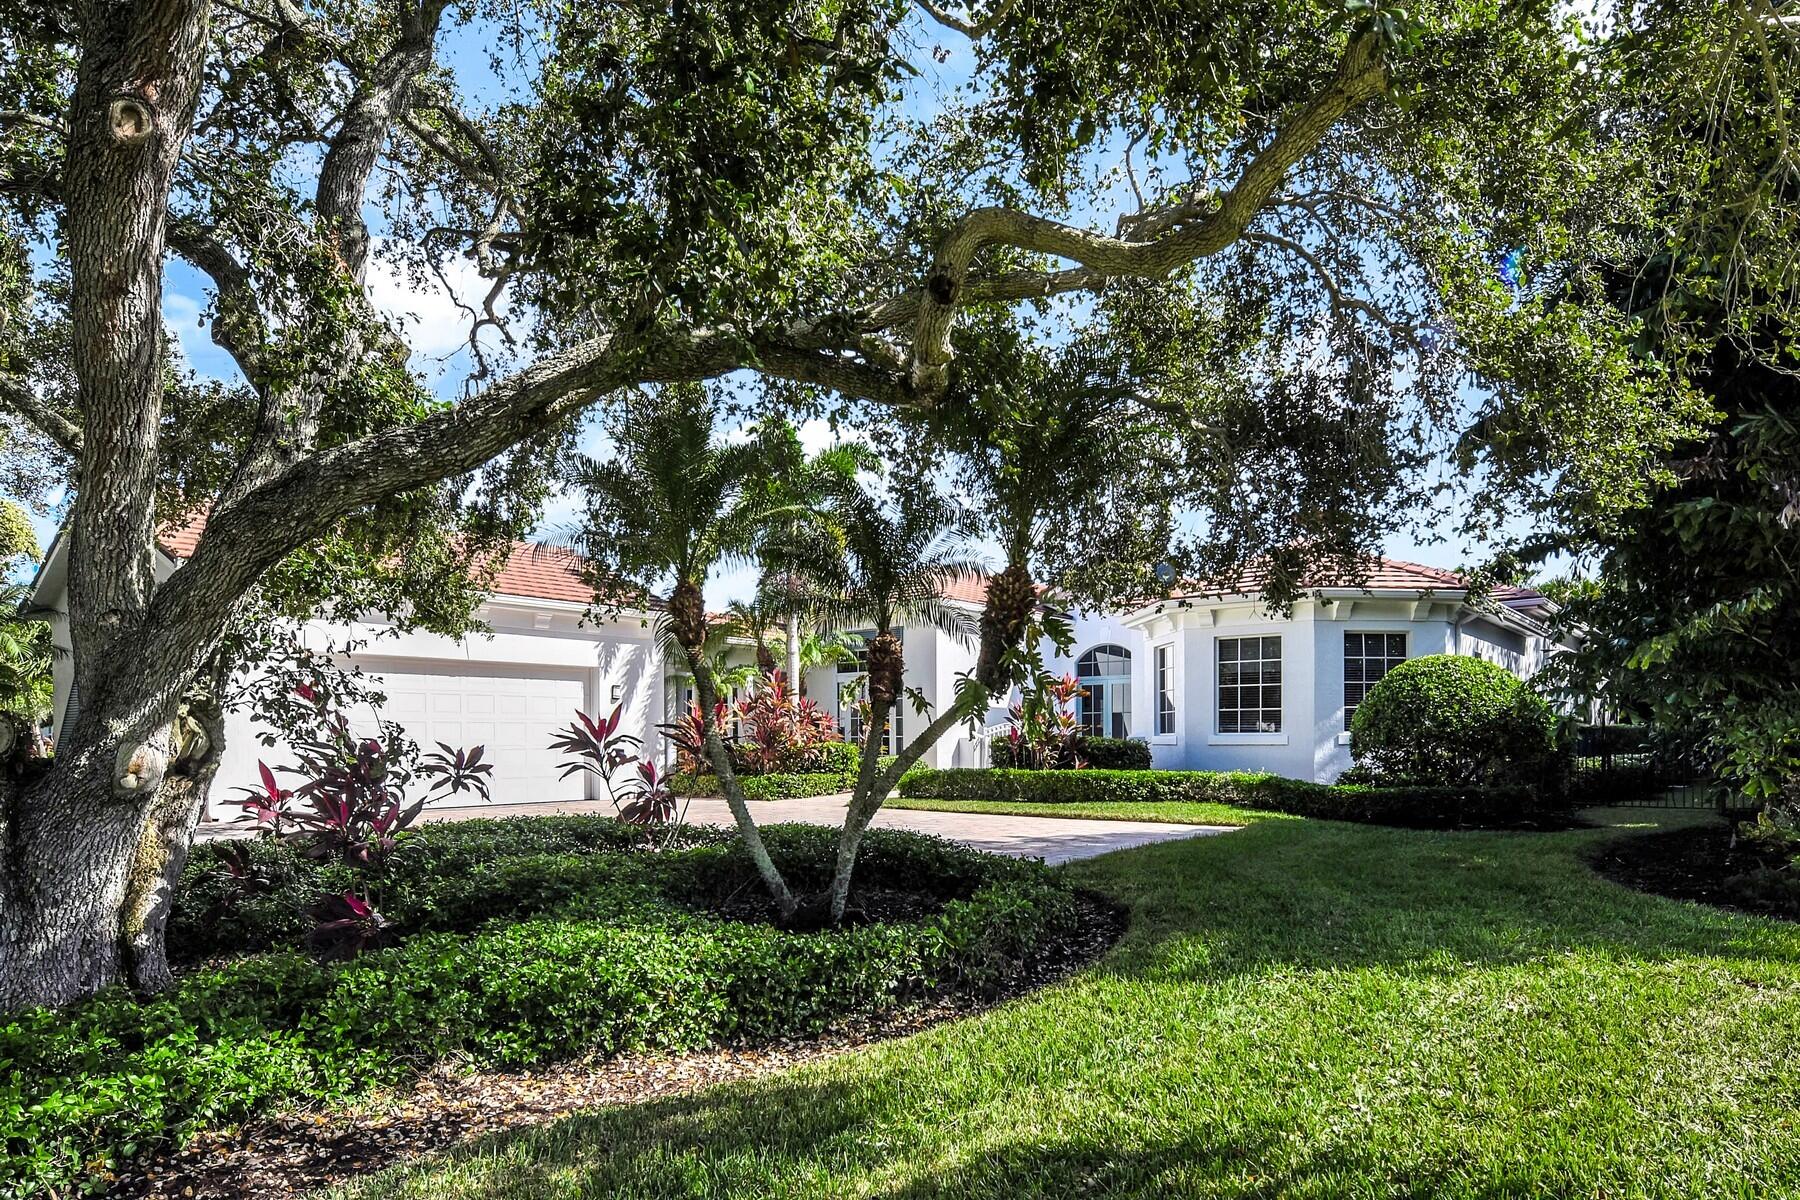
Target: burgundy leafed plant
[
  {"x": 346, "y": 926},
  {"x": 653, "y": 803},
  {"x": 602, "y": 749},
  {"x": 780, "y": 730},
  {"x": 1043, "y": 732},
  {"x": 687, "y": 733},
  {"x": 352, "y": 804},
  {"x": 596, "y": 747}
]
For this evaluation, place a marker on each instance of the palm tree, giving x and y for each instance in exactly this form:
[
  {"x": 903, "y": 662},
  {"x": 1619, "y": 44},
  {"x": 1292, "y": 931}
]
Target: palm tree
[
  {"x": 674, "y": 502},
  {"x": 804, "y": 546},
  {"x": 752, "y": 617},
  {"x": 902, "y": 554},
  {"x": 25, "y": 656}
]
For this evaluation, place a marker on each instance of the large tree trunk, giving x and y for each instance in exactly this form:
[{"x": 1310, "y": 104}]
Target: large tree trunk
[{"x": 74, "y": 832}]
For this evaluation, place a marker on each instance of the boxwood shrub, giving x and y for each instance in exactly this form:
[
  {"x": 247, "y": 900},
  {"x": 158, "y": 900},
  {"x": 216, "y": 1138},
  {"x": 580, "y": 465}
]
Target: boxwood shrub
[
  {"x": 1416, "y": 807},
  {"x": 783, "y": 786},
  {"x": 1456, "y": 720},
  {"x": 533, "y": 939}
]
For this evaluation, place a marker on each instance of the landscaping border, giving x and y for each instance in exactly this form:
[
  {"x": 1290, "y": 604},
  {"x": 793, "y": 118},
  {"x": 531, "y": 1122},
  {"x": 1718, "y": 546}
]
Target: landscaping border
[
  {"x": 1411, "y": 807},
  {"x": 611, "y": 965}
]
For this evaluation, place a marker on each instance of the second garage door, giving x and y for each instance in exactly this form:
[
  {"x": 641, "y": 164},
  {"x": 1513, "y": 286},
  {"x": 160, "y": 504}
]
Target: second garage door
[{"x": 513, "y": 711}]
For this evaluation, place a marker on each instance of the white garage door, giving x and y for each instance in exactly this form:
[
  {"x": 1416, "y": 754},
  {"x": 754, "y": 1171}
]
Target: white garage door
[{"x": 511, "y": 710}]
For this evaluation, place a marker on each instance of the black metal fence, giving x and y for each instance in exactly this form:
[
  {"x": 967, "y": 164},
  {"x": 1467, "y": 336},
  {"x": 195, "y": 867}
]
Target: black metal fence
[
  {"x": 1629, "y": 765},
  {"x": 1603, "y": 785}
]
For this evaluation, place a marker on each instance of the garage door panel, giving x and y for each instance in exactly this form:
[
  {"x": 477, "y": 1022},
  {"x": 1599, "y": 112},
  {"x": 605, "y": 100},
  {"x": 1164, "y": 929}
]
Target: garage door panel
[{"x": 513, "y": 714}]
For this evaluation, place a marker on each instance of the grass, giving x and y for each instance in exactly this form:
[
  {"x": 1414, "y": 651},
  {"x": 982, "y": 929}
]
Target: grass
[
  {"x": 1300, "y": 1009},
  {"x": 1175, "y": 812}
]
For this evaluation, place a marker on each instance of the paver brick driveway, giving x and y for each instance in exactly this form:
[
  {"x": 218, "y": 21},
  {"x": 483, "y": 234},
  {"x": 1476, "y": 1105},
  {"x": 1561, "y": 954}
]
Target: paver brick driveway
[{"x": 1053, "y": 839}]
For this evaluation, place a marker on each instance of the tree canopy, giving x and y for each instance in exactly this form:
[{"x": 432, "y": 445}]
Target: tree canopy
[{"x": 1307, "y": 228}]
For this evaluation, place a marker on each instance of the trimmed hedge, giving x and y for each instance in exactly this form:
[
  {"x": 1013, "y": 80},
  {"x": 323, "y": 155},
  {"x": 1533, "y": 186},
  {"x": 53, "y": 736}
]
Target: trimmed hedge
[
  {"x": 1113, "y": 754},
  {"x": 768, "y": 787},
  {"x": 1413, "y": 807},
  {"x": 621, "y": 955},
  {"x": 783, "y": 786}
]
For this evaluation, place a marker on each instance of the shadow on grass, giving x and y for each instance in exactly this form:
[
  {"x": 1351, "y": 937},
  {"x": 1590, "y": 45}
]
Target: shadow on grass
[{"x": 995, "y": 1106}]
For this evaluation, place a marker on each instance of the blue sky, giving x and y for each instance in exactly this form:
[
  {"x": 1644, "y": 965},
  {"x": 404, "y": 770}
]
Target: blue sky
[{"x": 436, "y": 328}]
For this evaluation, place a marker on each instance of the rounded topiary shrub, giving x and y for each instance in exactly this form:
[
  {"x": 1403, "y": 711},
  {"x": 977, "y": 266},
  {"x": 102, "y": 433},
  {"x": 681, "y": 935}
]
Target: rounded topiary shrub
[{"x": 1452, "y": 719}]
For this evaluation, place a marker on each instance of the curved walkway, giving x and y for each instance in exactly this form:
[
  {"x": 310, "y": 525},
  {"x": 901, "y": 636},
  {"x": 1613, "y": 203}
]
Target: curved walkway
[{"x": 1053, "y": 839}]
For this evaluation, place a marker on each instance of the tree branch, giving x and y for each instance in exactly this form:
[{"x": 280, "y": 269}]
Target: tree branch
[
  {"x": 974, "y": 30},
  {"x": 31, "y": 120},
  {"x": 17, "y": 396},
  {"x": 1361, "y": 75},
  {"x": 238, "y": 328},
  {"x": 1340, "y": 301}
]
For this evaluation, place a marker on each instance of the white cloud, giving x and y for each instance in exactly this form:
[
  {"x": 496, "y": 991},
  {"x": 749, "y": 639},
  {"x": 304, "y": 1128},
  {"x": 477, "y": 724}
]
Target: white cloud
[{"x": 435, "y": 319}]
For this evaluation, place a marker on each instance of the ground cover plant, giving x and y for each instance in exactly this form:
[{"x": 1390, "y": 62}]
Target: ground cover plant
[
  {"x": 1423, "y": 806},
  {"x": 1300, "y": 1008},
  {"x": 511, "y": 942}
]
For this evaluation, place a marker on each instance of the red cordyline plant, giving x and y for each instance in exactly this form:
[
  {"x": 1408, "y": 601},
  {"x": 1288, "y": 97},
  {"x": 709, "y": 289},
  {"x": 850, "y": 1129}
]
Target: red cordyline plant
[
  {"x": 780, "y": 730},
  {"x": 351, "y": 804},
  {"x": 1043, "y": 730},
  {"x": 687, "y": 733},
  {"x": 640, "y": 795}
]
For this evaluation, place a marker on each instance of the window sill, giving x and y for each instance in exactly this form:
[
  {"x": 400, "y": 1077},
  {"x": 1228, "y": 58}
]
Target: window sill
[
  {"x": 1165, "y": 739},
  {"x": 1247, "y": 739},
  {"x": 1343, "y": 739}
]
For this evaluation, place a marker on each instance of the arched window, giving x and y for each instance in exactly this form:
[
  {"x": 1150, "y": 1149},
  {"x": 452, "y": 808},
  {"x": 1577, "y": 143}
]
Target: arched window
[{"x": 1105, "y": 675}]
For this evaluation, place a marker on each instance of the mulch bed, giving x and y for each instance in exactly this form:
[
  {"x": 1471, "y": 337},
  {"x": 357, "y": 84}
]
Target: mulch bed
[
  {"x": 1691, "y": 863},
  {"x": 295, "y": 1153}
]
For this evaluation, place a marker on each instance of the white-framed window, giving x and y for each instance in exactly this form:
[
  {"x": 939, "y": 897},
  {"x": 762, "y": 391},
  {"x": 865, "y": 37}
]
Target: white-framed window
[
  {"x": 1104, "y": 709},
  {"x": 1367, "y": 657},
  {"x": 1250, "y": 685},
  {"x": 1165, "y": 691},
  {"x": 850, "y": 700}
]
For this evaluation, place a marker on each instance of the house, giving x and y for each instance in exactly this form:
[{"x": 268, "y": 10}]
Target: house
[
  {"x": 511, "y": 687},
  {"x": 1213, "y": 681},
  {"x": 1209, "y": 679}
]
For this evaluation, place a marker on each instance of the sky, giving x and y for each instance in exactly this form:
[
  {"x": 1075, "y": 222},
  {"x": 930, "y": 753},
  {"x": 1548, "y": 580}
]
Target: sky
[{"x": 436, "y": 328}]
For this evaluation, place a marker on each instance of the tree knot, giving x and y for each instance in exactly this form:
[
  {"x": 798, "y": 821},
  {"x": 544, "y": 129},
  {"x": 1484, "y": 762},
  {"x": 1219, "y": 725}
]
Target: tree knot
[
  {"x": 139, "y": 770},
  {"x": 130, "y": 119},
  {"x": 942, "y": 287}
]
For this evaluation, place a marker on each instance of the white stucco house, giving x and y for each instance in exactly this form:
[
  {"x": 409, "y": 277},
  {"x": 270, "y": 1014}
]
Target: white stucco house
[
  {"x": 1210, "y": 680},
  {"x": 1213, "y": 681}
]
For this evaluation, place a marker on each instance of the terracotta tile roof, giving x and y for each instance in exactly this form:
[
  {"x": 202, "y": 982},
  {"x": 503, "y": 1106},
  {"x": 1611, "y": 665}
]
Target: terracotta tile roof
[
  {"x": 180, "y": 542},
  {"x": 541, "y": 572},
  {"x": 1386, "y": 574},
  {"x": 532, "y": 571},
  {"x": 973, "y": 591}
]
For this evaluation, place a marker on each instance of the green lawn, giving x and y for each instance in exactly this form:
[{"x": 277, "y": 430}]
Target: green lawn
[
  {"x": 1300, "y": 1009},
  {"x": 1176, "y": 812}
]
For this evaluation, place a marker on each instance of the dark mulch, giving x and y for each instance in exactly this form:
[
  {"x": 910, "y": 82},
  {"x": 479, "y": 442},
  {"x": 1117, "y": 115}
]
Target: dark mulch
[
  {"x": 1698, "y": 863},
  {"x": 295, "y": 1153}
]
